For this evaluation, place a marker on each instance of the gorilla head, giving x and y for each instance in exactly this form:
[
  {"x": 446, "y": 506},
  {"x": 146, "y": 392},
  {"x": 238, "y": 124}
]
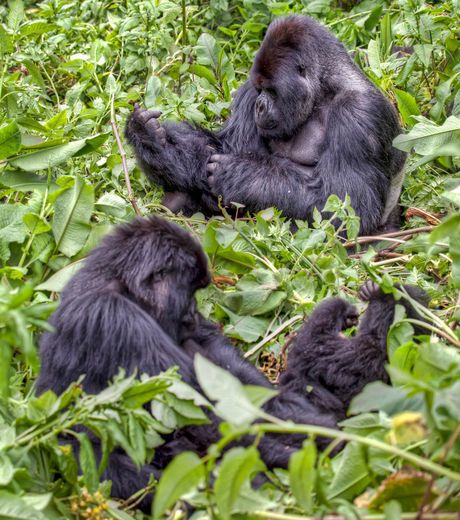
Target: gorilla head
[
  {"x": 155, "y": 264},
  {"x": 286, "y": 75}
]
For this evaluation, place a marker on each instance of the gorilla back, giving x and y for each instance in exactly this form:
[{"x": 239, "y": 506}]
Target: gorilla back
[{"x": 307, "y": 124}]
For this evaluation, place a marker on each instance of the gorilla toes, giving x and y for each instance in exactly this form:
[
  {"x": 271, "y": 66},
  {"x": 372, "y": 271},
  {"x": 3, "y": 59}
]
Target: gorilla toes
[
  {"x": 145, "y": 123},
  {"x": 369, "y": 291}
]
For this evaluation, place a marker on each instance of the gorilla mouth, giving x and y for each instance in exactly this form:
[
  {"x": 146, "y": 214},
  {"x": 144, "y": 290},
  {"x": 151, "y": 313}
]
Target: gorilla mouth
[{"x": 266, "y": 126}]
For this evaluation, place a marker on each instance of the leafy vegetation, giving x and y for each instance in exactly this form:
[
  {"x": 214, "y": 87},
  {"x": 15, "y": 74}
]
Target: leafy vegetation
[{"x": 69, "y": 73}]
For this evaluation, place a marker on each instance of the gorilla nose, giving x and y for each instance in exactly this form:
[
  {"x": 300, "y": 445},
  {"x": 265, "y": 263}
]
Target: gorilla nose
[{"x": 261, "y": 107}]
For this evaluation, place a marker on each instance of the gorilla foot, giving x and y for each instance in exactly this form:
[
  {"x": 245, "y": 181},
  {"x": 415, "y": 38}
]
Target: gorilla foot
[
  {"x": 369, "y": 291},
  {"x": 145, "y": 123}
]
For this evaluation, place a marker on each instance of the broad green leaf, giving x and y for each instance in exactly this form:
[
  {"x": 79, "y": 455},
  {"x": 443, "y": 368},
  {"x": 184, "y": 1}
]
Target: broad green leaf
[
  {"x": 59, "y": 280},
  {"x": 373, "y": 55},
  {"x": 407, "y": 106},
  {"x": 182, "y": 474},
  {"x": 36, "y": 223},
  {"x": 14, "y": 507},
  {"x": 235, "y": 469},
  {"x": 207, "y": 51},
  {"x": 10, "y": 140},
  {"x": 427, "y": 138},
  {"x": 448, "y": 228},
  {"x": 72, "y": 214},
  {"x": 12, "y": 227},
  {"x": 302, "y": 475},
  {"x": 352, "y": 474},
  {"x": 48, "y": 157},
  {"x": 25, "y": 181},
  {"x": 233, "y": 404},
  {"x": 379, "y": 396},
  {"x": 36, "y": 28},
  {"x": 6, "y": 470}
]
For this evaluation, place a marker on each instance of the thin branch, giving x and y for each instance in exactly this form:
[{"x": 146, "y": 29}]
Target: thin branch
[
  {"x": 385, "y": 236},
  {"x": 124, "y": 163},
  {"x": 275, "y": 333}
]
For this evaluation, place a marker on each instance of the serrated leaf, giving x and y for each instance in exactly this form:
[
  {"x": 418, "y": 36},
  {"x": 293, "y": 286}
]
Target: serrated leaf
[{"x": 88, "y": 463}]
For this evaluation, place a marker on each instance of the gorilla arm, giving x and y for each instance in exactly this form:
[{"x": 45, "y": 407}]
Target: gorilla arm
[
  {"x": 173, "y": 155},
  {"x": 351, "y": 161}
]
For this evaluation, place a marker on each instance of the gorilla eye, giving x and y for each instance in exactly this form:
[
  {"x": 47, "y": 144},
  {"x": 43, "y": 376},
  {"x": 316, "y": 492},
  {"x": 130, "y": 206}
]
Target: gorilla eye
[
  {"x": 301, "y": 69},
  {"x": 271, "y": 92}
]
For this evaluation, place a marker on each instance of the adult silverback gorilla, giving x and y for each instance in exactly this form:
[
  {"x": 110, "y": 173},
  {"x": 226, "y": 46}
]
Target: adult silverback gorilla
[{"x": 306, "y": 124}]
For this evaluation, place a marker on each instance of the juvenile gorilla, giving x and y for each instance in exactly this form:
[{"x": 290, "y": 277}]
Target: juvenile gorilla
[
  {"x": 132, "y": 305},
  {"x": 306, "y": 124}
]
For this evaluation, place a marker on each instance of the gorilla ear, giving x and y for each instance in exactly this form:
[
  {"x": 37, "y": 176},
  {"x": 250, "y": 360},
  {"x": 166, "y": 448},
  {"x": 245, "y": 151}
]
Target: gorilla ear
[{"x": 301, "y": 69}]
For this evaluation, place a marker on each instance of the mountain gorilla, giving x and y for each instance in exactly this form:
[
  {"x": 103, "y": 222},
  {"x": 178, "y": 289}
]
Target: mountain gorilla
[
  {"x": 307, "y": 124},
  {"x": 132, "y": 305}
]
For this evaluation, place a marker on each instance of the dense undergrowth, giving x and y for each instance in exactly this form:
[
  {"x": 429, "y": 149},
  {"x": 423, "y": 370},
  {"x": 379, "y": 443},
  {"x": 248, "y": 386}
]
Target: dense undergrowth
[{"x": 69, "y": 73}]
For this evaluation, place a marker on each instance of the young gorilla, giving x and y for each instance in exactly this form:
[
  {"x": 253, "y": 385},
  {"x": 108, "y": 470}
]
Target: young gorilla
[
  {"x": 132, "y": 305},
  {"x": 307, "y": 124},
  {"x": 335, "y": 367}
]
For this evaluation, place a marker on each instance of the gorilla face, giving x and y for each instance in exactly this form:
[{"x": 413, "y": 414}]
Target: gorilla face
[
  {"x": 285, "y": 100},
  {"x": 287, "y": 78}
]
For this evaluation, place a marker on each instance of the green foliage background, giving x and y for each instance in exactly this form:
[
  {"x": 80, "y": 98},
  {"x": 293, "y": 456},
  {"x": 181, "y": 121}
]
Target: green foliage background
[{"x": 69, "y": 72}]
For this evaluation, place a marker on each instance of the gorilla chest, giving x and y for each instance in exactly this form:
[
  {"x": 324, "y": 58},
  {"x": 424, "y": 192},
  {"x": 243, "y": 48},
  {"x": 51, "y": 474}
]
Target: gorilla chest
[{"x": 305, "y": 146}]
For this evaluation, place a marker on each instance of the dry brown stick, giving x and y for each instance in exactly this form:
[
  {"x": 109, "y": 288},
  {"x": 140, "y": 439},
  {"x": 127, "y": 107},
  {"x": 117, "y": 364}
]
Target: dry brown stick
[
  {"x": 124, "y": 163},
  {"x": 384, "y": 236}
]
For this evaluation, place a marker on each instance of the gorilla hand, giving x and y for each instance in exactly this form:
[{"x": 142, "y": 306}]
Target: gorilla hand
[
  {"x": 144, "y": 123},
  {"x": 218, "y": 169}
]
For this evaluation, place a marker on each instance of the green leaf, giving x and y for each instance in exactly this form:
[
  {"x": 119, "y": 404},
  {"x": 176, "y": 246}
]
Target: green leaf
[
  {"x": 6, "y": 470},
  {"x": 237, "y": 466},
  {"x": 15, "y": 13},
  {"x": 24, "y": 181},
  {"x": 72, "y": 214},
  {"x": 48, "y": 157},
  {"x": 10, "y": 140},
  {"x": 59, "y": 280},
  {"x": 143, "y": 392},
  {"x": 302, "y": 475},
  {"x": 88, "y": 463},
  {"x": 427, "y": 138},
  {"x": 352, "y": 475},
  {"x": 448, "y": 228},
  {"x": 373, "y": 55},
  {"x": 182, "y": 474},
  {"x": 379, "y": 396},
  {"x": 233, "y": 403},
  {"x": 407, "y": 106},
  {"x": 14, "y": 507}
]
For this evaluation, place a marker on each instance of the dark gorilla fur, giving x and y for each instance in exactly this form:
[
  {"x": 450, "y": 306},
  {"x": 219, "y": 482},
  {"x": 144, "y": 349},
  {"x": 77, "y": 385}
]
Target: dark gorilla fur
[
  {"x": 132, "y": 305},
  {"x": 307, "y": 124}
]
